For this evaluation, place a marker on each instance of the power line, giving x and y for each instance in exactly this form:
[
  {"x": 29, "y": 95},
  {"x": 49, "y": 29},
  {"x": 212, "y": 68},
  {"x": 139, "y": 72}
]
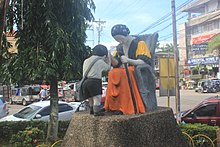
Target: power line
[
  {"x": 164, "y": 17},
  {"x": 171, "y": 23},
  {"x": 200, "y": 23}
]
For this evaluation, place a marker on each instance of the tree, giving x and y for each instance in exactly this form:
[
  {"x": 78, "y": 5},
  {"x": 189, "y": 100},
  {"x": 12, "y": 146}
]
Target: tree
[
  {"x": 214, "y": 44},
  {"x": 50, "y": 42},
  {"x": 3, "y": 9},
  {"x": 168, "y": 47}
]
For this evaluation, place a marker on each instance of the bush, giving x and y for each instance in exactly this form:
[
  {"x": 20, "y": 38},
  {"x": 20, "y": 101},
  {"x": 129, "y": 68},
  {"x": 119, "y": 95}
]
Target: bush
[
  {"x": 28, "y": 138},
  {"x": 9, "y": 128},
  {"x": 195, "y": 129}
]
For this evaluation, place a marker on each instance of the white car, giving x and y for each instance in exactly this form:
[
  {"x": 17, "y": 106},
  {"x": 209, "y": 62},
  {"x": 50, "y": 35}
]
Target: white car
[
  {"x": 41, "y": 111},
  {"x": 3, "y": 107}
]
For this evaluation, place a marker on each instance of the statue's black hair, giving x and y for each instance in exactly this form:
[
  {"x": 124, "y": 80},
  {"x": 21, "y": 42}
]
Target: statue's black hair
[{"x": 100, "y": 50}]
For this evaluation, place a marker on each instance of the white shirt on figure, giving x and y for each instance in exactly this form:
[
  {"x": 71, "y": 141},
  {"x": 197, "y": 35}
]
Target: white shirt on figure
[{"x": 97, "y": 68}]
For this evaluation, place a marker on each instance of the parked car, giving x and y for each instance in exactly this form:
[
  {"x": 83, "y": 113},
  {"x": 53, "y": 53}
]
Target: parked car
[
  {"x": 216, "y": 85},
  {"x": 25, "y": 95},
  {"x": 207, "y": 112},
  {"x": 41, "y": 111},
  {"x": 208, "y": 85},
  {"x": 3, "y": 107}
]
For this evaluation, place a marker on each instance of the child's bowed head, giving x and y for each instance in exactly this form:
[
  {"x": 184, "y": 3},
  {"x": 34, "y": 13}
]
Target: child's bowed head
[{"x": 100, "y": 50}]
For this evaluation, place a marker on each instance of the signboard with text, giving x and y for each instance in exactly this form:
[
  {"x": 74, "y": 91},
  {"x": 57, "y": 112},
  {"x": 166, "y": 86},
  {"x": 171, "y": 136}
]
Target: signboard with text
[
  {"x": 200, "y": 47},
  {"x": 205, "y": 60},
  {"x": 202, "y": 39}
]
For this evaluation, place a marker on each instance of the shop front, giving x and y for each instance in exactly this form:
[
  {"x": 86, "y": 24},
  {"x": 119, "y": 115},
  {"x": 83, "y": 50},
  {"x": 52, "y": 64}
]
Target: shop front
[{"x": 206, "y": 66}]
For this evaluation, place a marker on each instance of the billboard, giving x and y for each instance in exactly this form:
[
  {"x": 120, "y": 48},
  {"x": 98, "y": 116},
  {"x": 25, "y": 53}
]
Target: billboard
[
  {"x": 205, "y": 60},
  {"x": 167, "y": 76}
]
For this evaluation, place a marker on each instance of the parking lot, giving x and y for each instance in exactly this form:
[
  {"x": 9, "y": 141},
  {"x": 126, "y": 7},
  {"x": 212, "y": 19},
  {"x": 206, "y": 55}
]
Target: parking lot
[{"x": 188, "y": 99}]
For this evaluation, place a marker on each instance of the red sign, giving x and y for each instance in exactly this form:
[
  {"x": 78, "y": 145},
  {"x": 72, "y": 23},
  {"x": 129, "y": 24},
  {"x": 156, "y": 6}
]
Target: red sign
[{"x": 201, "y": 39}]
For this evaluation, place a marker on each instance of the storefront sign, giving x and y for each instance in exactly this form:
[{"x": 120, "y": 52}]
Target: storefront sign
[
  {"x": 200, "y": 47},
  {"x": 202, "y": 39},
  {"x": 206, "y": 60}
]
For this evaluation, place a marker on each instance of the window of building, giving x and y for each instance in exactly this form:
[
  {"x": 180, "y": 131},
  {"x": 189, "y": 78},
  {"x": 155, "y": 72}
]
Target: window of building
[
  {"x": 195, "y": 30},
  {"x": 216, "y": 24}
]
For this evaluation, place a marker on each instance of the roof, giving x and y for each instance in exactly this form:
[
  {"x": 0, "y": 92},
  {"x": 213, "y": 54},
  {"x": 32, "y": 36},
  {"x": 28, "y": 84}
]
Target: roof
[
  {"x": 45, "y": 103},
  {"x": 195, "y": 6}
]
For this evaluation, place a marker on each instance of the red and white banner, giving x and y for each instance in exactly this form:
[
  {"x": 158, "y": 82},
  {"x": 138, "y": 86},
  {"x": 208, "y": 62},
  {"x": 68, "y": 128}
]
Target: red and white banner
[{"x": 201, "y": 39}]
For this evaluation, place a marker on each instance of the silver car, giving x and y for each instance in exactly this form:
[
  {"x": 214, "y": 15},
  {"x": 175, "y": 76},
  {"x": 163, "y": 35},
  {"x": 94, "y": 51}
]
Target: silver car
[
  {"x": 41, "y": 111},
  {"x": 3, "y": 107}
]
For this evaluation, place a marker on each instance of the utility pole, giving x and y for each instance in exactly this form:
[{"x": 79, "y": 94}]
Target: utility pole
[
  {"x": 99, "y": 28},
  {"x": 91, "y": 28},
  {"x": 176, "y": 61}
]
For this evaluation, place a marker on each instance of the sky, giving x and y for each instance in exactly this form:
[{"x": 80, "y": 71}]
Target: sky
[{"x": 137, "y": 15}]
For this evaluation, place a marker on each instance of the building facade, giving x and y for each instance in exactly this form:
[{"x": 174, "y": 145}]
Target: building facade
[{"x": 195, "y": 34}]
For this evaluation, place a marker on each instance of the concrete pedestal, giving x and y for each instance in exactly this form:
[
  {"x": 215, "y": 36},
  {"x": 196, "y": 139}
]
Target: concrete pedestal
[{"x": 154, "y": 129}]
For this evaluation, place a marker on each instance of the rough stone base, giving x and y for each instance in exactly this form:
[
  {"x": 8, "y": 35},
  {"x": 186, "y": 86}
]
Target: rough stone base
[{"x": 154, "y": 129}]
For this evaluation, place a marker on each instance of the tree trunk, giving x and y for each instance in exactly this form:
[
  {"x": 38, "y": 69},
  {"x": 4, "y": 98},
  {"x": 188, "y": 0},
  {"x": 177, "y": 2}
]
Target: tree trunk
[
  {"x": 53, "y": 123},
  {"x": 3, "y": 8}
]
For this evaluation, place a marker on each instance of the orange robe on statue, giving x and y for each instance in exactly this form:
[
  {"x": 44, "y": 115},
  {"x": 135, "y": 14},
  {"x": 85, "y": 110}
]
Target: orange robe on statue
[{"x": 118, "y": 96}]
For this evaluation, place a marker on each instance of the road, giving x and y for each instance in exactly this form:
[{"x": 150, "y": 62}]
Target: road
[{"x": 188, "y": 99}]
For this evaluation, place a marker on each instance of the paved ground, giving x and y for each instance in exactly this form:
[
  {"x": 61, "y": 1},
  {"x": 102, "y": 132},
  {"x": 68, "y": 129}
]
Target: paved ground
[{"x": 188, "y": 99}]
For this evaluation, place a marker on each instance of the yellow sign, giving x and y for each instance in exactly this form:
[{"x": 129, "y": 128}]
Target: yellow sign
[{"x": 167, "y": 76}]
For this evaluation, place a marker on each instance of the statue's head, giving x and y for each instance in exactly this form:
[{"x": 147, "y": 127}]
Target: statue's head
[
  {"x": 100, "y": 50},
  {"x": 120, "y": 32},
  {"x": 120, "y": 29}
]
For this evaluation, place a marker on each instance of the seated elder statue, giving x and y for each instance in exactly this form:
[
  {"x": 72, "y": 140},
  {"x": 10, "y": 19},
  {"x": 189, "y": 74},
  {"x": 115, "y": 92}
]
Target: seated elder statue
[{"x": 133, "y": 91}]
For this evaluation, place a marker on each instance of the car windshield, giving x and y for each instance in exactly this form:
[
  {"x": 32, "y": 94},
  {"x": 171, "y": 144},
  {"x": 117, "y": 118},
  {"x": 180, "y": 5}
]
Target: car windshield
[
  {"x": 2, "y": 99},
  {"x": 27, "y": 112}
]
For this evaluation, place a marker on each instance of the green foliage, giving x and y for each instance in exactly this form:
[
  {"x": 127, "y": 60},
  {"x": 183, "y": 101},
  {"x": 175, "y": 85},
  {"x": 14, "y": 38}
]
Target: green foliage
[
  {"x": 168, "y": 47},
  {"x": 214, "y": 43},
  {"x": 50, "y": 41},
  {"x": 195, "y": 129},
  {"x": 8, "y": 129},
  {"x": 28, "y": 138}
]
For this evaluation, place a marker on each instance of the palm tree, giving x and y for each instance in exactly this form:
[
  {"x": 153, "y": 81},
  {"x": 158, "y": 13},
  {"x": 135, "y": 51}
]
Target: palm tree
[{"x": 168, "y": 47}]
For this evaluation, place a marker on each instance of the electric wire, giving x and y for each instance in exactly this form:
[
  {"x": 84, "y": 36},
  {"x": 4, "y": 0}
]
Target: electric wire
[
  {"x": 165, "y": 16},
  {"x": 171, "y": 23}
]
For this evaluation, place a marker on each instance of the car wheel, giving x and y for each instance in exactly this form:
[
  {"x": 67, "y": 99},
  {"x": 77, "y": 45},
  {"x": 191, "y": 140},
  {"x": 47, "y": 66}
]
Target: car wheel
[
  {"x": 24, "y": 102},
  {"x": 11, "y": 102},
  {"x": 214, "y": 90}
]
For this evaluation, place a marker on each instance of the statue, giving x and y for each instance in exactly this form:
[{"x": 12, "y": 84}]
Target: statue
[
  {"x": 148, "y": 129},
  {"x": 92, "y": 71},
  {"x": 131, "y": 86}
]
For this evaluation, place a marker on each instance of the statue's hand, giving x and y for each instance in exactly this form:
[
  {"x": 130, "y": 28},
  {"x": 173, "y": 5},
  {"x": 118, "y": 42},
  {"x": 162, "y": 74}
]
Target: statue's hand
[{"x": 124, "y": 59}]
